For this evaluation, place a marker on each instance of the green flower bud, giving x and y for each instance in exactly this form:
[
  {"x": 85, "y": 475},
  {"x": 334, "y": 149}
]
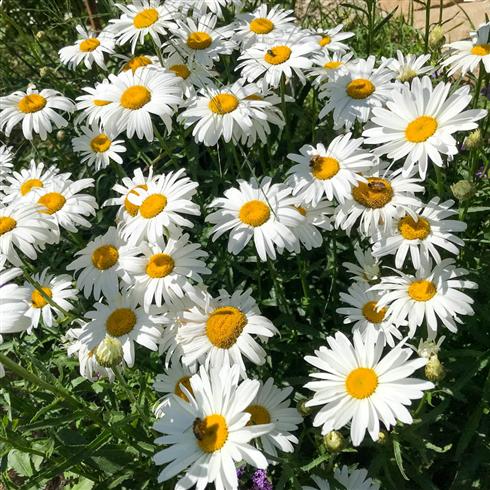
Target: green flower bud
[
  {"x": 40, "y": 35},
  {"x": 382, "y": 438},
  {"x": 473, "y": 140},
  {"x": 302, "y": 408},
  {"x": 434, "y": 369},
  {"x": 109, "y": 352},
  {"x": 462, "y": 190},
  {"x": 436, "y": 37},
  {"x": 334, "y": 441},
  {"x": 60, "y": 135}
]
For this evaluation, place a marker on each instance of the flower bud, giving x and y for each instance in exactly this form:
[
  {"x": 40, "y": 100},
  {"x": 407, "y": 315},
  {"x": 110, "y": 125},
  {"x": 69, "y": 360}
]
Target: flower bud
[
  {"x": 302, "y": 408},
  {"x": 60, "y": 135},
  {"x": 382, "y": 438},
  {"x": 40, "y": 35},
  {"x": 473, "y": 140},
  {"x": 407, "y": 75},
  {"x": 463, "y": 189},
  {"x": 44, "y": 71},
  {"x": 436, "y": 37},
  {"x": 434, "y": 369},
  {"x": 334, "y": 441},
  {"x": 109, "y": 352}
]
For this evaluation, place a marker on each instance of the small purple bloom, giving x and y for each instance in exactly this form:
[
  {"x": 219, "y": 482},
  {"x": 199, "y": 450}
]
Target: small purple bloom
[
  {"x": 240, "y": 472},
  {"x": 260, "y": 481}
]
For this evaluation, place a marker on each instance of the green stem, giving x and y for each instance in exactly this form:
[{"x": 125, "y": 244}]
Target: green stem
[
  {"x": 440, "y": 180},
  {"x": 427, "y": 26},
  {"x": 302, "y": 276},
  {"x": 479, "y": 81},
  {"x": 130, "y": 395}
]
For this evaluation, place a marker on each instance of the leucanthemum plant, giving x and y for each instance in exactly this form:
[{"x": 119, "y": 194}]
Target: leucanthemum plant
[{"x": 210, "y": 223}]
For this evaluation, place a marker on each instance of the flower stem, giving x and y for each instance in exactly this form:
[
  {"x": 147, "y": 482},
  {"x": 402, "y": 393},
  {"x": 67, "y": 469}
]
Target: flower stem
[
  {"x": 427, "y": 26},
  {"x": 130, "y": 395}
]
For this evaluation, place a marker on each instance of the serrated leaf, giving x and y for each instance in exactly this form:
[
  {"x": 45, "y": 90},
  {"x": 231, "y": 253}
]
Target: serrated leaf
[
  {"x": 20, "y": 462},
  {"x": 398, "y": 458}
]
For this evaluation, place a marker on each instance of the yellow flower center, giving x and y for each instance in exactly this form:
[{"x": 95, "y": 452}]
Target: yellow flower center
[
  {"x": 421, "y": 129},
  {"x": 254, "y": 97},
  {"x": 185, "y": 381},
  {"x": 301, "y": 210},
  {"x": 422, "y": 290},
  {"x": 481, "y": 49},
  {"x": 211, "y": 433},
  {"x": 90, "y": 44},
  {"x": 100, "y": 103},
  {"x": 372, "y": 314},
  {"x": 224, "y": 326},
  {"x": 223, "y": 104},
  {"x": 277, "y": 55},
  {"x": 324, "y": 41},
  {"x": 135, "y": 97},
  {"x": 31, "y": 103},
  {"x": 181, "y": 71},
  {"x": 259, "y": 415},
  {"x": 27, "y": 186},
  {"x": 199, "y": 40},
  {"x": 254, "y": 213},
  {"x": 261, "y": 25},
  {"x": 100, "y": 143},
  {"x": 7, "y": 224},
  {"x": 153, "y": 205},
  {"x": 375, "y": 194},
  {"x": 361, "y": 383},
  {"x": 37, "y": 299},
  {"x": 137, "y": 62},
  {"x": 105, "y": 257},
  {"x": 120, "y": 322},
  {"x": 332, "y": 65},
  {"x": 160, "y": 265},
  {"x": 132, "y": 209},
  {"x": 324, "y": 168},
  {"x": 145, "y": 18},
  {"x": 414, "y": 230},
  {"x": 52, "y": 201},
  {"x": 360, "y": 88}
]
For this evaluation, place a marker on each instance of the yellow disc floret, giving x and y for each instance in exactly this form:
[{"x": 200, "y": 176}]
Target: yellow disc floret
[
  {"x": 153, "y": 205},
  {"x": 361, "y": 383},
  {"x": 360, "y": 88},
  {"x": 261, "y": 25},
  {"x": 105, "y": 257},
  {"x": 376, "y": 194},
  {"x": 254, "y": 213},
  {"x": 223, "y": 104},
  {"x": 90, "y": 44},
  {"x": 38, "y": 300},
  {"x": 120, "y": 322},
  {"x": 31, "y": 103},
  {"x": 324, "y": 168},
  {"x": 7, "y": 224},
  {"x": 101, "y": 143},
  {"x": 372, "y": 314},
  {"x": 135, "y": 97},
  {"x": 421, "y": 129},
  {"x": 422, "y": 290},
  {"x": 224, "y": 326},
  {"x": 52, "y": 201},
  {"x": 199, "y": 40},
  {"x": 259, "y": 415},
  {"x": 29, "y": 184},
  {"x": 211, "y": 433},
  {"x": 277, "y": 55},
  {"x": 145, "y": 18},
  {"x": 160, "y": 265},
  {"x": 414, "y": 230}
]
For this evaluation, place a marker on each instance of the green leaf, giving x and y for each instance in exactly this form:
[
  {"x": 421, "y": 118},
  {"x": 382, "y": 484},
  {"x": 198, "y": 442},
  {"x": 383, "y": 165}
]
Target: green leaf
[
  {"x": 398, "y": 458},
  {"x": 20, "y": 462},
  {"x": 83, "y": 484}
]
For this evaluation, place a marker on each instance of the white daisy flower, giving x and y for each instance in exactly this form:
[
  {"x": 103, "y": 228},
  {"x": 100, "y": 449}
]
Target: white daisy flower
[
  {"x": 316, "y": 219},
  {"x": 328, "y": 66},
  {"x": 214, "y": 6},
  {"x": 208, "y": 435},
  {"x": 24, "y": 228},
  {"x": 407, "y": 67},
  {"x": 419, "y": 122},
  {"x": 368, "y": 268},
  {"x": 165, "y": 270},
  {"x": 359, "y": 386},
  {"x": 200, "y": 40},
  {"x": 385, "y": 197},
  {"x": 231, "y": 112},
  {"x": 430, "y": 294},
  {"x": 61, "y": 201},
  {"x": 13, "y": 302},
  {"x": 331, "y": 39},
  {"x": 138, "y": 19},
  {"x": 329, "y": 172},
  {"x": 272, "y": 405},
  {"x": 19, "y": 184},
  {"x": 259, "y": 210},
  {"x": 6, "y": 157},
  {"x": 364, "y": 313},
  {"x": 467, "y": 55},
  {"x": 135, "y": 96},
  {"x": 89, "y": 367},
  {"x": 422, "y": 236},
  {"x": 92, "y": 106},
  {"x": 262, "y": 24},
  {"x": 160, "y": 207},
  {"x": 129, "y": 186},
  {"x": 36, "y": 110},
  {"x": 99, "y": 265},
  {"x": 192, "y": 74},
  {"x": 89, "y": 49},
  {"x": 122, "y": 318},
  {"x": 139, "y": 61},
  {"x": 349, "y": 478},
  {"x": 352, "y": 96},
  {"x": 428, "y": 348},
  {"x": 223, "y": 329},
  {"x": 97, "y": 148},
  {"x": 283, "y": 55},
  {"x": 58, "y": 288}
]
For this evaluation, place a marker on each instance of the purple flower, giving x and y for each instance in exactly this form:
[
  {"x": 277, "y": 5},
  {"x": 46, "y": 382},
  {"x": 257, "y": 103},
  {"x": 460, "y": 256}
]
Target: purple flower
[
  {"x": 240, "y": 472},
  {"x": 260, "y": 481}
]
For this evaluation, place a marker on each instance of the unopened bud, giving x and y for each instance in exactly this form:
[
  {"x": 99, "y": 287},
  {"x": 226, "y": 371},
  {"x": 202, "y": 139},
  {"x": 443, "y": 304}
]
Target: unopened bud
[
  {"x": 302, "y": 408},
  {"x": 473, "y": 140},
  {"x": 40, "y": 35},
  {"x": 382, "y": 438},
  {"x": 44, "y": 71},
  {"x": 436, "y": 37},
  {"x": 434, "y": 369},
  {"x": 463, "y": 189},
  {"x": 407, "y": 75},
  {"x": 109, "y": 352},
  {"x": 60, "y": 135},
  {"x": 334, "y": 441}
]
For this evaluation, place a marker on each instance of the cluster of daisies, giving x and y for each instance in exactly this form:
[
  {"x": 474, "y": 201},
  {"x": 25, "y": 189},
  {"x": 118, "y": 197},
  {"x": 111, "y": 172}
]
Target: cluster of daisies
[{"x": 145, "y": 275}]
